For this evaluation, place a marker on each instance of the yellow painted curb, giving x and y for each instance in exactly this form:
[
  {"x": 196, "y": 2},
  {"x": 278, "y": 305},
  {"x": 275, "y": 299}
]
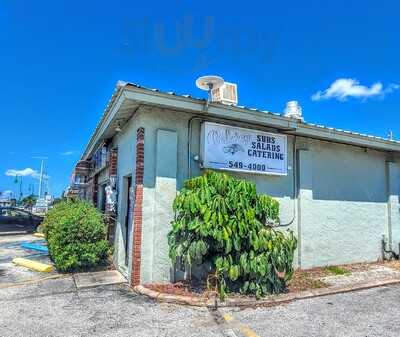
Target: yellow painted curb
[
  {"x": 228, "y": 318},
  {"x": 243, "y": 328},
  {"x": 39, "y": 235},
  {"x": 44, "y": 268}
]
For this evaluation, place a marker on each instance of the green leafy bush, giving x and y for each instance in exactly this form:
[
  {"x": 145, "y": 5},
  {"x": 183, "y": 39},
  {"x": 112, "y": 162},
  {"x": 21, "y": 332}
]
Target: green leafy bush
[
  {"x": 75, "y": 232},
  {"x": 223, "y": 221}
]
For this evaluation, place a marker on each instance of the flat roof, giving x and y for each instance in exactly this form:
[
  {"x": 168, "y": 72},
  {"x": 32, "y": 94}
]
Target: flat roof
[{"x": 150, "y": 96}]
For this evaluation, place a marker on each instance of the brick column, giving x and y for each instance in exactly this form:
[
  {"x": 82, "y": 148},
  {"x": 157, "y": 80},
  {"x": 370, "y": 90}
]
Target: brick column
[
  {"x": 95, "y": 189},
  {"x": 137, "y": 210},
  {"x": 111, "y": 210},
  {"x": 113, "y": 162}
]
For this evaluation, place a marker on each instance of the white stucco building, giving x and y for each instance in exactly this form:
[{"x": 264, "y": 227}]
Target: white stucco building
[{"x": 338, "y": 190}]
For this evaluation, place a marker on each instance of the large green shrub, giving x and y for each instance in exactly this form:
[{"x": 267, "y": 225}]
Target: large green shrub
[
  {"x": 223, "y": 221},
  {"x": 75, "y": 232}
]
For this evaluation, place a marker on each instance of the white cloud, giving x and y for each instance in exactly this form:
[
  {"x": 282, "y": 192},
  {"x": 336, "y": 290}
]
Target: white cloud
[
  {"x": 67, "y": 153},
  {"x": 28, "y": 172},
  {"x": 343, "y": 88},
  {"x": 6, "y": 194},
  {"x": 392, "y": 87}
]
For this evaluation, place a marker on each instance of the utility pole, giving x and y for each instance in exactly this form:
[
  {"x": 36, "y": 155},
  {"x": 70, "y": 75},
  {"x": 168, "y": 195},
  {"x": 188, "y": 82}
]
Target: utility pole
[
  {"x": 20, "y": 189},
  {"x": 18, "y": 180},
  {"x": 31, "y": 189},
  {"x": 41, "y": 178}
]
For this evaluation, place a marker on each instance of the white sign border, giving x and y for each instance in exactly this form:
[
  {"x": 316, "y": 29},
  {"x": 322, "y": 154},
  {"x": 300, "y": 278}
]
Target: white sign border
[{"x": 202, "y": 150}]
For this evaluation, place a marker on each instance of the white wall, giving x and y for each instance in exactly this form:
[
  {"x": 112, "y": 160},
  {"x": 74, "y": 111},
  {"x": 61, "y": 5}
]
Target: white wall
[{"x": 340, "y": 215}]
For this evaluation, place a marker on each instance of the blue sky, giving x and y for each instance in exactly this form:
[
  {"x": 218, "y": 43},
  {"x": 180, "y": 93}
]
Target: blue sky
[{"x": 60, "y": 60}]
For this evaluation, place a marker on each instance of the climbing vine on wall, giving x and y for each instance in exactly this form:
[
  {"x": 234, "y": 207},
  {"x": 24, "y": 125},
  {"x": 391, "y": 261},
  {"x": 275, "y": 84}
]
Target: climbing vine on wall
[{"x": 223, "y": 221}]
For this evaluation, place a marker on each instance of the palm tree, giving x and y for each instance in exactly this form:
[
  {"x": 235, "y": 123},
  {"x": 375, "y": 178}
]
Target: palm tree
[{"x": 29, "y": 201}]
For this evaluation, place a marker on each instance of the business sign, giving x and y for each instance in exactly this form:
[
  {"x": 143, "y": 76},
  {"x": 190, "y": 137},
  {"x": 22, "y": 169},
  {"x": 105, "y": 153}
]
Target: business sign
[{"x": 237, "y": 149}]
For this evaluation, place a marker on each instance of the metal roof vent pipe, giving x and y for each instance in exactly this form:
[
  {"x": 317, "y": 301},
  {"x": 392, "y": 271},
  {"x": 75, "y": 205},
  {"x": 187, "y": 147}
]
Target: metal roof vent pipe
[{"x": 293, "y": 110}]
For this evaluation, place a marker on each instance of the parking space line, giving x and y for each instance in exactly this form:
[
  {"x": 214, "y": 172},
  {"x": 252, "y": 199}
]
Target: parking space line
[
  {"x": 30, "y": 281},
  {"x": 243, "y": 328}
]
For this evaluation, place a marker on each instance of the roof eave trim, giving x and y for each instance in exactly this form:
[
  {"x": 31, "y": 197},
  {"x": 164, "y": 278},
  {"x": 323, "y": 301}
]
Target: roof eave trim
[
  {"x": 191, "y": 105},
  {"x": 260, "y": 117},
  {"x": 108, "y": 115}
]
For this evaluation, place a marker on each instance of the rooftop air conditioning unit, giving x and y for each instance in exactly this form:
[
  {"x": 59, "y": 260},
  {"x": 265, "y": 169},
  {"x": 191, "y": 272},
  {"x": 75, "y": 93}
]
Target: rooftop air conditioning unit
[
  {"x": 294, "y": 110},
  {"x": 226, "y": 94}
]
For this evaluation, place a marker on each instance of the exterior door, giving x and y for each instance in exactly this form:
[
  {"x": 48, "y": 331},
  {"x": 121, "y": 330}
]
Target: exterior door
[{"x": 128, "y": 218}]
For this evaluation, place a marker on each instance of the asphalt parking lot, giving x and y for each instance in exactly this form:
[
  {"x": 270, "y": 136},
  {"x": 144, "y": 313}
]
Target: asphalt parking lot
[
  {"x": 57, "y": 308},
  {"x": 368, "y": 313},
  {"x": 10, "y": 248},
  {"x": 32, "y": 304}
]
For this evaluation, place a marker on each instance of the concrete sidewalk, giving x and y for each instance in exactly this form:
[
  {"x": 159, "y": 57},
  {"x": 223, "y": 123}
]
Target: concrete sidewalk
[
  {"x": 99, "y": 278},
  {"x": 12, "y": 275}
]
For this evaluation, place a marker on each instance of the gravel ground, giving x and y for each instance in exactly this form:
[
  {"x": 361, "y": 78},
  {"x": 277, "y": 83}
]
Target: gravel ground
[
  {"x": 57, "y": 308},
  {"x": 368, "y": 313}
]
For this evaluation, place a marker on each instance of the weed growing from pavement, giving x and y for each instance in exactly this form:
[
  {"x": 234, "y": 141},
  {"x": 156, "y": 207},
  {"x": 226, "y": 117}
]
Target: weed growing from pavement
[{"x": 337, "y": 270}]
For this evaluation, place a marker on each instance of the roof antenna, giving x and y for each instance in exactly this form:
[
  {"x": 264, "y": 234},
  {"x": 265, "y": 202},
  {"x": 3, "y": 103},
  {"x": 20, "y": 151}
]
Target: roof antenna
[
  {"x": 209, "y": 83},
  {"x": 390, "y": 135}
]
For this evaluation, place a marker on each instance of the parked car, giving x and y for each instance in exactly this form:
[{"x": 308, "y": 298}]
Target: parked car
[{"x": 13, "y": 216}]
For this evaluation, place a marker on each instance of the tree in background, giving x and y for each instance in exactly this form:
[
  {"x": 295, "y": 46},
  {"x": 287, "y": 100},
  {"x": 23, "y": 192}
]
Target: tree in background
[{"x": 29, "y": 201}]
